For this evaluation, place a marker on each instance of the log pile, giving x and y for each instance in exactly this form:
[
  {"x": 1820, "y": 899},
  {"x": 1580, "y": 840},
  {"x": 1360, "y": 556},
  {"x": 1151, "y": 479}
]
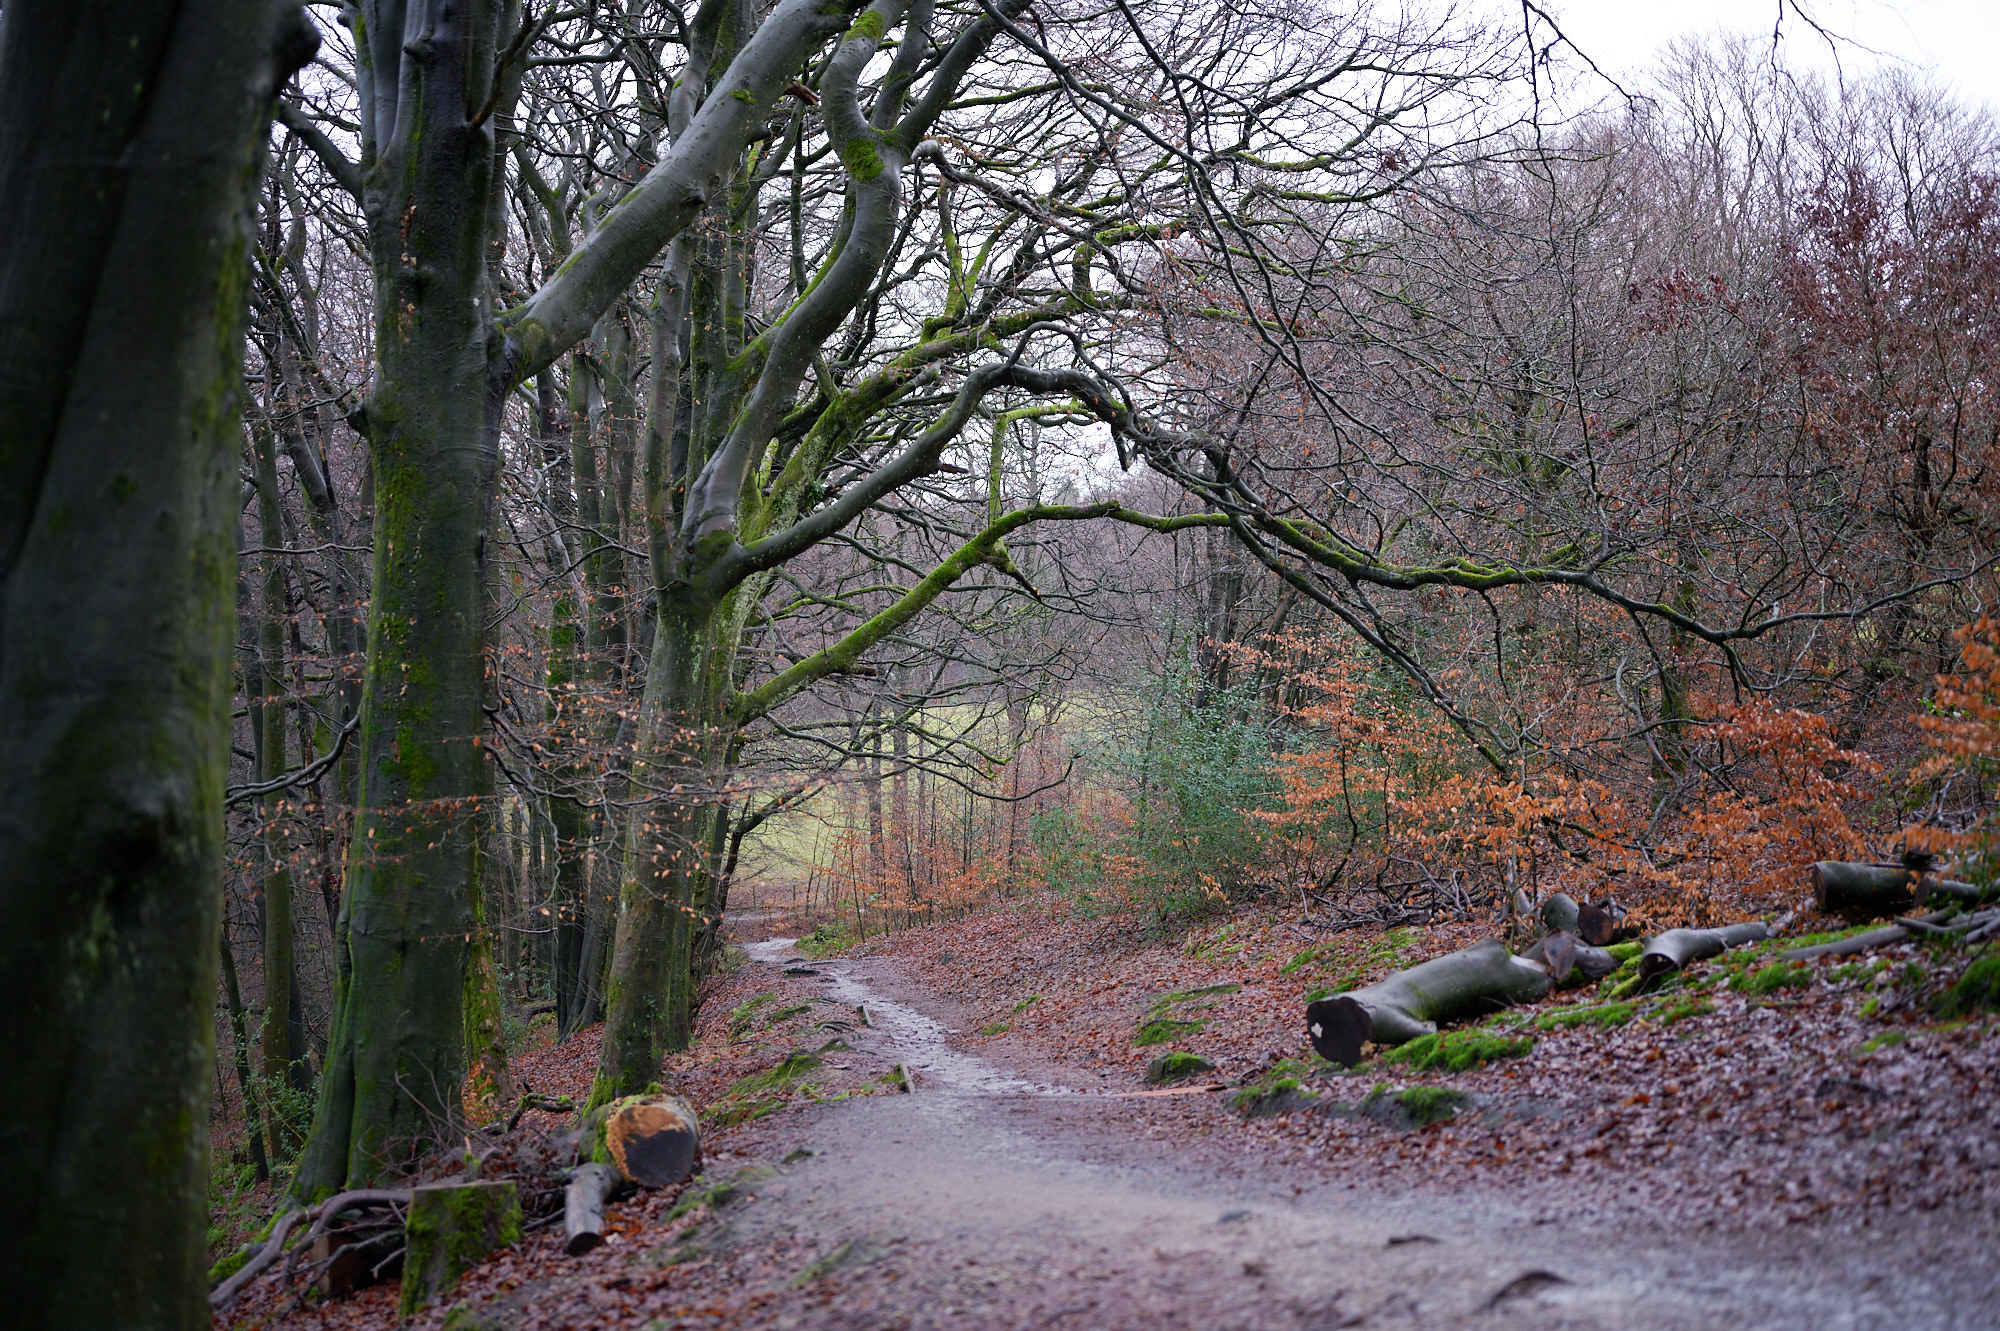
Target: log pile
[{"x": 1580, "y": 942}]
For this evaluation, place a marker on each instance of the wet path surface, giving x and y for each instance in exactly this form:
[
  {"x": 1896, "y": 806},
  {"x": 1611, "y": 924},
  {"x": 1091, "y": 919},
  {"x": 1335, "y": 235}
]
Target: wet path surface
[{"x": 986, "y": 1199}]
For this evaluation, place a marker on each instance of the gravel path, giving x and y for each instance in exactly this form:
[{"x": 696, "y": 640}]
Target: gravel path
[{"x": 991, "y": 1197}]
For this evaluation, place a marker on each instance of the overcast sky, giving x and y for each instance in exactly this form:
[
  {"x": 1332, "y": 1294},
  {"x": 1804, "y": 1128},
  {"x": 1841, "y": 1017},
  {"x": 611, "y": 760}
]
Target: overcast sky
[{"x": 1956, "y": 40}]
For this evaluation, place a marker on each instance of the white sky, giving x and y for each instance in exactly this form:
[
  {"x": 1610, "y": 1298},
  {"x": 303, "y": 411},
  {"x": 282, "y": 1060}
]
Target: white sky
[{"x": 1957, "y": 41}]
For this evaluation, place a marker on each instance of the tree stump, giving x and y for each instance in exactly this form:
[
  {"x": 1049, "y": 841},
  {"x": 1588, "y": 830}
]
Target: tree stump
[
  {"x": 1470, "y": 982},
  {"x": 450, "y": 1228},
  {"x": 653, "y": 1140}
]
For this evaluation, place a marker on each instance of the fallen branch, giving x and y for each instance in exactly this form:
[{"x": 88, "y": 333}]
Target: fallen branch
[
  {"x": 1887, "y": 936},
  {"x": 227, "y": 1292}
]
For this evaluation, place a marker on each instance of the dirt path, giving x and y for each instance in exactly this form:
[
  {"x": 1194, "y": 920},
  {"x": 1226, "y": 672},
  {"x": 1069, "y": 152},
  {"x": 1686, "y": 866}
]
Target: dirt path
[{"x": 997, "y": 1196}]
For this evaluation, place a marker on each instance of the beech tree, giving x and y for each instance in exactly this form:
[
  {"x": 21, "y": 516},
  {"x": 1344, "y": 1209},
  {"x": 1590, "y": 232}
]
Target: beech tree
[{"x": 131, "y": 136}]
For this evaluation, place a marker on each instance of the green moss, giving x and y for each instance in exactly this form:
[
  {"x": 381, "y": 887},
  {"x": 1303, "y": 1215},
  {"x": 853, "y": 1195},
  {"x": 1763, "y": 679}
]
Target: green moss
[
  {"x": 1681, "y": 1011},
  {"x": 996, "y": 1028},
  {"x": 1886, "y": 1040},
  {"x": 1026, "y": 1003},
  {"x": 1770, "y": 979},
  {"x": 449, "y": 1231},
  {"x": 745, "y": 95},
  {"x": 1159, "y": 1030},
  {"x": 1458, "y": 1051},
  {"x": 1603, "y": 1015},
  {"x": 869, "y": 27},
  {"x": 862, "y": 158},
  {"x": 1185, "y": 995},
  {"x": 786, "y": 1014},
  {"x": 1169, "y": 1068},
  {"x": 230, "y": 1264},
  {"x": 825, "y": 941},
  {"x": 1976, "y": 990},
  {"x": 744, "y": 1013},
  {"x": 782, "y": 1077},
  {"x": 1425, "y": 1105}
]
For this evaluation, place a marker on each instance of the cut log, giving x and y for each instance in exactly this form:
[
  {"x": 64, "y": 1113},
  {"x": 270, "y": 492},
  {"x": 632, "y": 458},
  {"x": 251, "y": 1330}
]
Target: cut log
[
  {"x": 1940, "y": 891},
  {"x": 1559, "y": 913},
  {"x": 1470, "y": 982},
  {"x": 1673, "y": 950},
  {"x": 1570, "y": 961},
  {"x": 584, "y": 1197},
  {"x": 1862, "y": 889},
  {"x": 653, "y": 1140},
  {"x": 1601, "y": 926},
  {"x": 451, "y": 1228}
]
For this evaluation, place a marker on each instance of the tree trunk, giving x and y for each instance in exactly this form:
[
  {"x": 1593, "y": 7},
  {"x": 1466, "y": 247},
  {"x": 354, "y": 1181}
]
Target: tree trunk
[
  {"x": 281, "y": 1021},
  {"x": 1473, "y": 981},
  {"x": 240, "y": 1047},
  {"x": 129, "y": 140},
  {"x": 395, "y": 1062}
]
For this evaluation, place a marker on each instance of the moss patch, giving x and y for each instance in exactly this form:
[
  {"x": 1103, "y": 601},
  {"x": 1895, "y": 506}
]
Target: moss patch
[
  {"x": 1415, "y": 1107},
  {"x": 744, "y": 1013},
  {"x": 1770, "y": 979},
  {"x": 1457, "y": 1051},
  {"x": 1601, "y": 1015},
  {"x": 1977, "y": 990},
  {"x": 1681, "y": 1011},
  {"x": 1169, "y": 1068},
  {"x": 1162, "y": 1029}
]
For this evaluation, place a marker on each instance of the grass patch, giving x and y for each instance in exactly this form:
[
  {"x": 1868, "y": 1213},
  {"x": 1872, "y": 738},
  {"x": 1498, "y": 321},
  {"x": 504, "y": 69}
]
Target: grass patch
[
  {"x": 786, "y": 1014},
  {"x": 1457, "y": 1052},
  {"x": 1026, "y": 1003},
  {"x": 996, "y": 1028},
  {"x": 826, "y": 941}
]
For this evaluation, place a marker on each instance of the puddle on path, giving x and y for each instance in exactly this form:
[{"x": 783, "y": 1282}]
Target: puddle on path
[{"x": 912, "y": 1039}]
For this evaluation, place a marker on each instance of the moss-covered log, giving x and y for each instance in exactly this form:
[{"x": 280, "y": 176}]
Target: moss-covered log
[
  {"x": 1673, "y": 950},
  {"x": 451, "y": 1228},
  {"x": 1471, "y": 982}
]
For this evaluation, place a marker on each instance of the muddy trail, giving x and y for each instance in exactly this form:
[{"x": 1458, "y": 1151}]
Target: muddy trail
[{"x": 1004, "y": 1196}]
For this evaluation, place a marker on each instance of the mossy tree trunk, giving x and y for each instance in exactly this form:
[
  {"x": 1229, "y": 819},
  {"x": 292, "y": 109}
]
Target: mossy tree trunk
[{"x": 130, "y": 140}]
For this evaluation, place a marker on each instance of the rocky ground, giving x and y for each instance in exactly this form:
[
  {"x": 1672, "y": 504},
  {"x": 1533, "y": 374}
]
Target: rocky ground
[{"x": 1760, "y": 1145}]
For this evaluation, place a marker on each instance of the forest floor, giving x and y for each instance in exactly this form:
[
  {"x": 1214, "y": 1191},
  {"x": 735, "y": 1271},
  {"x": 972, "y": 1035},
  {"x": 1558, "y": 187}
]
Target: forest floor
[{"x": 1746, "y": 1149}]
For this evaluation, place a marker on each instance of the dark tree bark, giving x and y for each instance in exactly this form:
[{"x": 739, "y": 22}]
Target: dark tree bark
[{"x": 130, "y": 137}]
